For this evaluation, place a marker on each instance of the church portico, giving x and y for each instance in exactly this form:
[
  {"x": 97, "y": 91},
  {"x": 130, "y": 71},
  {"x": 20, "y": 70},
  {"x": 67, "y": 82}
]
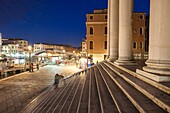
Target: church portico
[{"x": 158, "y": 62}]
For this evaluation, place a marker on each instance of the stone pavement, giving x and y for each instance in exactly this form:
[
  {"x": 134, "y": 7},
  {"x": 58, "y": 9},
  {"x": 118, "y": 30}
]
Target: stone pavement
[{"x": 16, "y": 91}]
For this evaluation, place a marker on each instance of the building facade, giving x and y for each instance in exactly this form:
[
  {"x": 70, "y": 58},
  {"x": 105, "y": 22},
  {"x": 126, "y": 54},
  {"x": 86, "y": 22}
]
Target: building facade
[
  {"x": 139, "y": 34},
  {"x": 21, "y": 43},
  {"x": 84, "y": 47},
  {"x": 96, "y": 35},
  {"x": 10, "y": 49},
  {"x": 45, "y": 46},
  {"x": 57, "y": 48},
  {"x": 96, "y": 32}
]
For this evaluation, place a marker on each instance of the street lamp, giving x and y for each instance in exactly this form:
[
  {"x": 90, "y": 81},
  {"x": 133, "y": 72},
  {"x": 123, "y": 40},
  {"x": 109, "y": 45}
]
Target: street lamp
[{"x": 29, "y": 49}]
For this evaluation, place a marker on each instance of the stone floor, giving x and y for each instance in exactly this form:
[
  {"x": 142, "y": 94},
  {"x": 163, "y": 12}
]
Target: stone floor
[{"x": 18, "y": 90}]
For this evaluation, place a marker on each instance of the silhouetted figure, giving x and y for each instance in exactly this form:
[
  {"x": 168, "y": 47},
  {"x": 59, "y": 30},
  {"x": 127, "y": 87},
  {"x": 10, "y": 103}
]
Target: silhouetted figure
[
  {"x": 37, "y": 66},
  {"x": 32, "y": 67}
]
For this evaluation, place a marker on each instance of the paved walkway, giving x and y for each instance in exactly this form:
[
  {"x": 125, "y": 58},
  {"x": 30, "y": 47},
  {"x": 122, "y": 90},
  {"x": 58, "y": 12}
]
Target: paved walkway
[{"x": 16, "y": 91}]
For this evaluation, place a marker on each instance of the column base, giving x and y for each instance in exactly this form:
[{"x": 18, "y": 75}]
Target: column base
[
  {"x": 125, "y": 62},
  {"x": 155, "y": 77},
  {"x": 157, "y": 70},
  {"x": 157, "y": 67},
  {"x": 112, "y": 59}
]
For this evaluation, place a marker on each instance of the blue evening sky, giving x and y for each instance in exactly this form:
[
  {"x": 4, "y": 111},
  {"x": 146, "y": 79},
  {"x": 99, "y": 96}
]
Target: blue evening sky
[{"x": 51, "y": 21}]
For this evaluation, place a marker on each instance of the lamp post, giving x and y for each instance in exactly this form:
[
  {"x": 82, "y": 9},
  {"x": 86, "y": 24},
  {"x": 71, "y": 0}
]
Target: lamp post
[{"x": 29, "y": 49}]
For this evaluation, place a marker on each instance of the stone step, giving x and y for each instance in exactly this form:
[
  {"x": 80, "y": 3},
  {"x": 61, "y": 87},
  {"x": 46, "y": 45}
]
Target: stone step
[
  {"x": 75, "y": 101},
  {"x": 84, "y": 97},
  {"x": 68, "y": 102},
  {"x": 159, "y": 97},
  {"x": 59, "y": 104},
  {"x": 107, "y": 101},
  {"x": 39, "y": 102},
  {"x": 162, "y": 86},
  {"x": 58, "y": 99},
  {"x": 102, "y": 88},
  {"x": 95, "y": 97},
  {"x": 119, "y": 98}
]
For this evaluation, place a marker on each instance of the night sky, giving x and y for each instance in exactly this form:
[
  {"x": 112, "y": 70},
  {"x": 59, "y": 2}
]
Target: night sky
[{"x": 51, "y": 21}]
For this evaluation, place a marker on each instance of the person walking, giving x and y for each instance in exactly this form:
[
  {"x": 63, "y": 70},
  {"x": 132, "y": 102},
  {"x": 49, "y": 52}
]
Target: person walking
[{"x": 37, "y": 66}]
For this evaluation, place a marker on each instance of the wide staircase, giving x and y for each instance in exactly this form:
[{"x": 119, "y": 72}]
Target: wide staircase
[{"x": 104, "y": 88}]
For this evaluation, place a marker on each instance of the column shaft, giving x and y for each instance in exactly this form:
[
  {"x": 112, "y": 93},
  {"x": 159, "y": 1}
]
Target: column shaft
[
  {"x": 114, "y": 29},
  {"x": 159, "y": 47},
  {"x": 108, "y": 29},
  {"x": 125, "y": 31}
]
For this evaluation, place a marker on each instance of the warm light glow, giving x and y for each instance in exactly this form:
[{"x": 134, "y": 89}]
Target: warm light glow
[
  {"x": 29, "y": 48},
  {"x": 64, "y": 51},
  {"x": 73, "y": 51}
]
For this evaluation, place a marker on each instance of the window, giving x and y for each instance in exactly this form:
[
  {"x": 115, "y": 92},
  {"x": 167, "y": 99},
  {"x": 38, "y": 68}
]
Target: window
[
  {"x": 91, "y": 44},
  {"x": 91, "y": 30},
  {"x": 91, "y": 17},
  {"x": 105, "y": 57},
  {"x": 105, "y": 17},
  {"x": 105, "y": 30},
  {"x": 134, "y": 45},
  {"x": 141, "y": 17},
  {"x": 105, "y": 44},
  {"x": 141, "y": 31},
  {"x": 141, "y": 45}
]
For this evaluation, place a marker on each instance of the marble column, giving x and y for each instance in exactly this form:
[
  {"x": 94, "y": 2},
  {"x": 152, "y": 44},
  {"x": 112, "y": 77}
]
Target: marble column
[
  {"x": 125, "y": 32},
  {"x": 159, "y": 38},
  {"x": 108, "y": 29},
  {"x": 114, "y": 29}
]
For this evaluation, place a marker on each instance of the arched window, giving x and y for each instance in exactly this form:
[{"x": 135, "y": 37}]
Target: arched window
[
  {"x": 141, "y": 45},
  {"x": 105, "y": 44},
  {"x": 141, "y": 17},
  {"x": 141, "y": 31},
  {"x": 91, "y": 31},
  {"x": 91, "y": 17},
  {"x": 105, "y": 30},
  {"x": 105, "y": 17},
  {"x": 91, "y": 44},
  {"x": 134, "y": 45}
]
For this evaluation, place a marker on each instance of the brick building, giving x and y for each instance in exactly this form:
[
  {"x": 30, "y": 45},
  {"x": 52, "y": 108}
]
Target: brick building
[
  {"x": 96, "y": 34},
  {"x": 139, "y": 34}
]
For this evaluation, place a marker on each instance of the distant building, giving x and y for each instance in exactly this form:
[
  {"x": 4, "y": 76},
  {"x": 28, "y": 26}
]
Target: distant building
[
  {"x": 96, "y": 34},
  {"x": 84, "y": 47},
  {"x": 55, "y": 48},
  {"x": 147, "y": 34},
  {"x": 46, "y": 46},
  {"x": 139, "y": 34},
  {"x": 10, "y": 49},
  {"x": 21, "y": 43}
]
